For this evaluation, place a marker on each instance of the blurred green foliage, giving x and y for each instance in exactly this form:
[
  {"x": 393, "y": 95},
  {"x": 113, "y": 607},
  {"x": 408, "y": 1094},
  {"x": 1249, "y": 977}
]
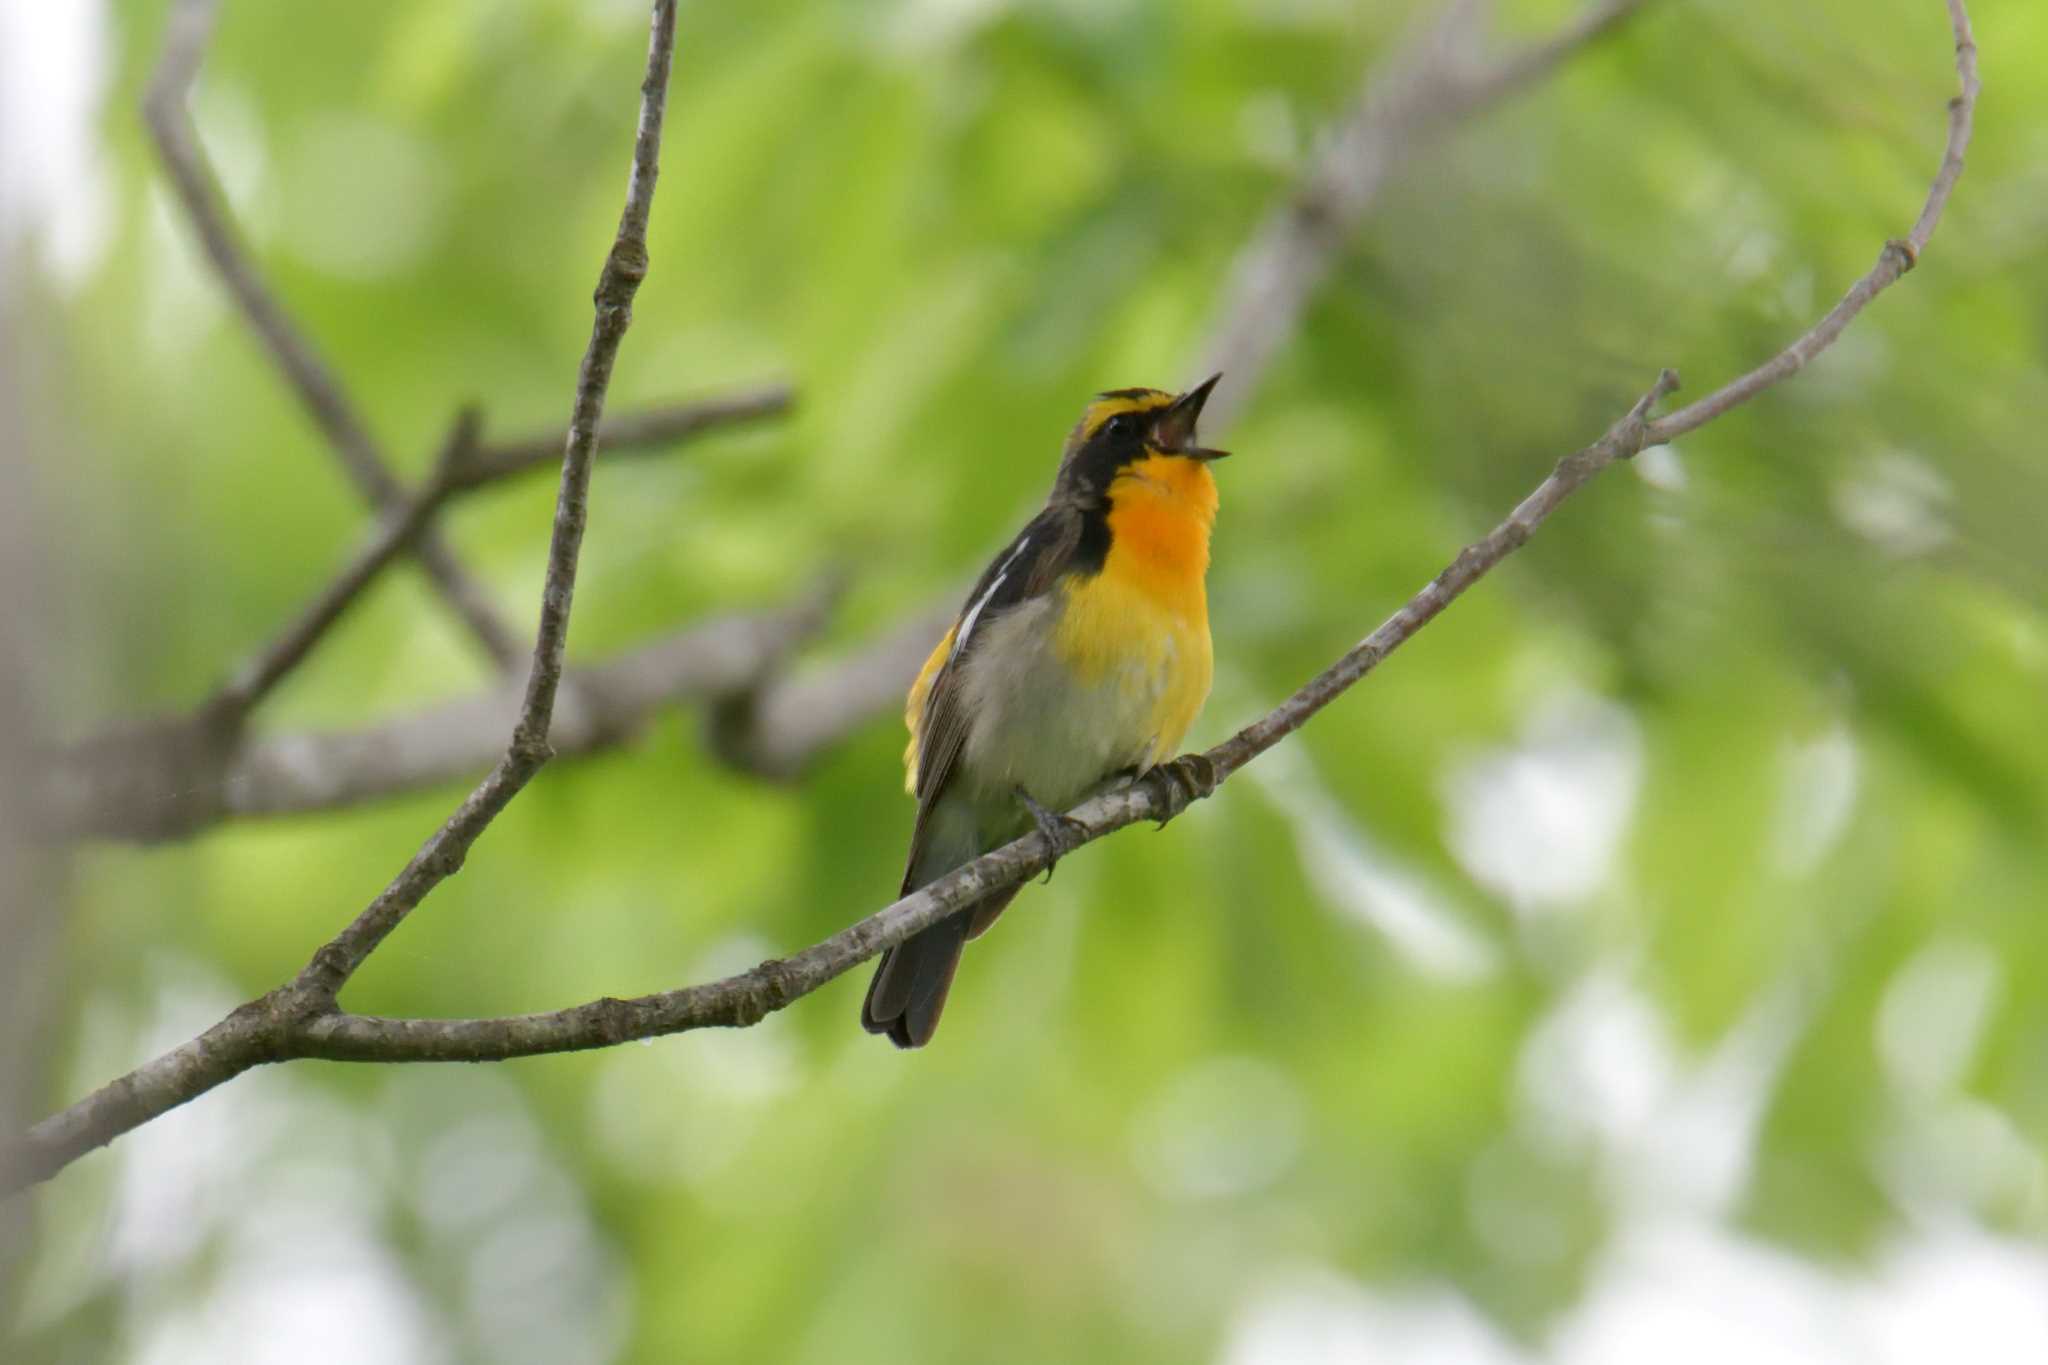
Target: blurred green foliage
[{"x": 1741, "y": 764}]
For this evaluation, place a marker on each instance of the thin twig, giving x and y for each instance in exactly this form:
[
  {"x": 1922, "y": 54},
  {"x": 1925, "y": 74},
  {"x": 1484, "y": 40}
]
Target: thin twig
[
  {"x": 198, "y": 190},
  {"x": 464, "y": 465},
  {"x": 1428, "y": 86},
  {"x": 1899, "y": 255},
  {"x": 272, "y": 1028},
  {"x": 776, "y": 727},
  {"x": 1532, "y": 63},
  {"x": 156, "y": 782},
  {"x": 624, "y": 268},
  {"x": 603, "y": 705},
  {"x": 173, "y": 776},
  {"x": 394, "y": 532},
  {"x": 648, "y": 430}
]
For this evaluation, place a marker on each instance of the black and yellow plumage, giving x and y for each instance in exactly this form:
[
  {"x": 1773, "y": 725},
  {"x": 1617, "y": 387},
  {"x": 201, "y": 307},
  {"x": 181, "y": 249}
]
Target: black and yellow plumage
[{"x": 1080, "y": 658}]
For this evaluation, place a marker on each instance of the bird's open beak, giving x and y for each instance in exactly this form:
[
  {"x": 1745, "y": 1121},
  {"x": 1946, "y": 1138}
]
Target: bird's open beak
[{"x": 1175, "y": 429}]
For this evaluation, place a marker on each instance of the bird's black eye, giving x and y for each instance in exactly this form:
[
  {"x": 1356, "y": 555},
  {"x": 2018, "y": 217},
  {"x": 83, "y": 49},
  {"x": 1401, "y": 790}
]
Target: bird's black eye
[{"x": 1122, "y": 427}]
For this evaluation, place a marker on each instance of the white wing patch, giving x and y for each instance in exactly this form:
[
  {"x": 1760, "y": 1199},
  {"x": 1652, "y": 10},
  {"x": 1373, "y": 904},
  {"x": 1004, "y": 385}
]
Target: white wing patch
[{"x": 974, "y": 612}]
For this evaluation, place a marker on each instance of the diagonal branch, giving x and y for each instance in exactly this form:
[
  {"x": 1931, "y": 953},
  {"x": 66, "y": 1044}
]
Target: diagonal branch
[
  {"x": 198, "y": 191},
  {"x": 624, "y": 268},
  {"x": 171, "y": 777},
  {"x": 1426, "y": 88},
  {"x": 396, "y": 531},
  {"x": 171, "y": 781},
  {"x": 776, "y": 726},
  {"x": 275, "y": 1027},
  {"x": 463, "y": 466},
  {"x": 248, "y": 1036},
  {"x": 651, "y": 429},
  {"x": 603, "y": 705}
]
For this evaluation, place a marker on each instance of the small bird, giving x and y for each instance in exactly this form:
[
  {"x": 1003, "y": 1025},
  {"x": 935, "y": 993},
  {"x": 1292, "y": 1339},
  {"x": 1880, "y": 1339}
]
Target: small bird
[{"x": 1078, "y": 662}]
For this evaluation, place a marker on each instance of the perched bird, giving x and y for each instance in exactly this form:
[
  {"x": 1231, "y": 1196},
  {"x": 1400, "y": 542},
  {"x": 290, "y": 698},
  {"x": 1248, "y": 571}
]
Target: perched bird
[{"x": 1078, "y": 661}]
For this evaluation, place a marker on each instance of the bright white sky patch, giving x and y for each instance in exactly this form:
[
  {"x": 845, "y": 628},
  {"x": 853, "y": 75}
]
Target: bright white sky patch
[
  {"x": 1366, "y": 882},
  {"x": 1896, "y": 501},
  {"x": 1821, "y": 779},
  {"x": 1316, "y": 1316},
  {"x": 1540, "y": 822},
  {"x": 1934, "y": 1013},
  {"x": 1660, "y": 467},
  {"x": 53, "y": 181}
]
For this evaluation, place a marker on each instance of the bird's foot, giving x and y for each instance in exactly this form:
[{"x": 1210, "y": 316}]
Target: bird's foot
[
  {"x": 1178, "y": 783},
  {"x": 1062, "y": 833}
]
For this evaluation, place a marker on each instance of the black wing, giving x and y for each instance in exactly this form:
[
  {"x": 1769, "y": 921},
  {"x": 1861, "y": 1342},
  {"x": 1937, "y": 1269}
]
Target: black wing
[{"x": 1027, "y": 568}]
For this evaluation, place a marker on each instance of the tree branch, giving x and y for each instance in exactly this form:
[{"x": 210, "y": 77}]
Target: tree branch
[
  {"x": 1428, "y": 86},
  {"x": 777, "y": 725},
  {"x": 275, "y": 1027},
  {"x": 651, "y": 430},
  {"x": 198, "y": 191},
  {"x": 603, "y": 705},
  {"x": 624, "y": 268},
  {"x": 396, "y": 531},
  {"x": 464, "y": 466},
  {"x": 744, "y": 999},
  {"x": 170, "y": 777},
  {"x": 249, "y": 1035}
]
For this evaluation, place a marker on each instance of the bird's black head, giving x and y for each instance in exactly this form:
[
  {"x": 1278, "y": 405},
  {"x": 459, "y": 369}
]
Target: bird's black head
[{"x": 1124, "y": 426}]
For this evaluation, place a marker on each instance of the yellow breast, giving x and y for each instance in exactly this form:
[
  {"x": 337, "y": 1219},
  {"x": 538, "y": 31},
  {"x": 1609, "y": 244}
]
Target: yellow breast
[
  {"x": 1131, "y": 641},
  {"x": 1144, "y": 619}
]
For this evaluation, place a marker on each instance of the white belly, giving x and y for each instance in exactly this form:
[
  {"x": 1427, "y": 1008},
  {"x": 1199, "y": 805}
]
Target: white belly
[{"x": 1036, "y": 726}]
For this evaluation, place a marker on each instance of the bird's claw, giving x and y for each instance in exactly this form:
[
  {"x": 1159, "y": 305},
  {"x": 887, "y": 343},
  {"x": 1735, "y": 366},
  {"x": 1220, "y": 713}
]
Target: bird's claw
[
  {"x": 1179, "y": 783},
  {"x": 1063, "y": 834}
]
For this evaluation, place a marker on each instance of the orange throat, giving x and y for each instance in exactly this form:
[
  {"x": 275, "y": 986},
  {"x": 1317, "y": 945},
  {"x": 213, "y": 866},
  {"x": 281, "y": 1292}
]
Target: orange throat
[{"x": 1161, "y": 510}]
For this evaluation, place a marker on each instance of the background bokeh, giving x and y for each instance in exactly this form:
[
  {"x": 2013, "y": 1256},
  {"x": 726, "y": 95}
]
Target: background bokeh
[{"x": 1648, "y": 963}]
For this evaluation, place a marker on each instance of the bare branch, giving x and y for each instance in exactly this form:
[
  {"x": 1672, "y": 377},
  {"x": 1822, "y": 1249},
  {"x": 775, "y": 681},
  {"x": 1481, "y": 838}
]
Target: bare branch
[
  {"x": 637, "y": 432},
  {"x": 273, "y": 1027},
  {"x": 603, "y": 705},
  {"x": 198, "y": 191},
  {"x": 463, "y": 466},
  {"x": 742, "y": 1000},
  {"x": 170, "y": 777},
  {"x": 1406, "y": 102},
  {"x": 170, "y": 781},
  {"x": 1899, "y": 255},
  {"x": 624, "y": 268},
  {"x": 1527, "y": 65},
  {"x": 776, "y": 727},
  {"x": 397, "y": 530}
]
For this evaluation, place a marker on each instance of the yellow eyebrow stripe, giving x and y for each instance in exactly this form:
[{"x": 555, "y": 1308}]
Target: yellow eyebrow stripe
[{"x": 1110, "y": 404}]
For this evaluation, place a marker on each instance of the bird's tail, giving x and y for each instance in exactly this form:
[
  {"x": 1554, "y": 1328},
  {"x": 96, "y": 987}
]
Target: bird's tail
[{"x": 910, "y": 984}]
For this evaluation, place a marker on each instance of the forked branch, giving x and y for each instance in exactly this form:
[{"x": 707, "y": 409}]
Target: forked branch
[
  {"x": 172, "y": 776},
  {"x": 320, "y": 392}
]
